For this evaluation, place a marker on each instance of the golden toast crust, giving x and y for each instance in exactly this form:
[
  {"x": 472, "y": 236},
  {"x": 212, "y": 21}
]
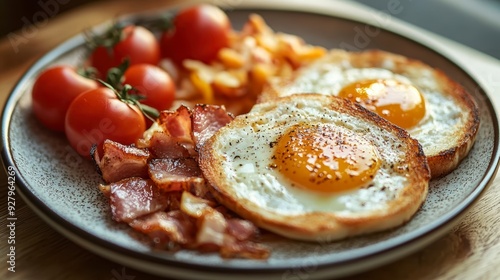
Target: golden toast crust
[{"x": 317, "y": 226}]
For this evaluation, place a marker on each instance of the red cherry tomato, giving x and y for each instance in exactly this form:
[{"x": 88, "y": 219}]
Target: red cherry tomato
[
  {"x": 53, "y": 92},
  {"x": 199, "y": 33},
  {"x": 136, "y": 43},
  {"x": 153, "y": 83},
  {"x": 97, "y": 115}
]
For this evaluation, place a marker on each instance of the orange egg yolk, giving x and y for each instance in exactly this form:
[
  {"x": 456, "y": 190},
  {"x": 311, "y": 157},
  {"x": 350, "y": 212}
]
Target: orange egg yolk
[
  {"x": 325, "y": 158},
  {"x": 400, "y": 103}
]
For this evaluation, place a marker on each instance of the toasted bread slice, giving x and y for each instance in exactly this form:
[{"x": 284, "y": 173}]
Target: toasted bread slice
[
  {"x": 237, "y": 162},
  {"x": 449, "y": 128}
]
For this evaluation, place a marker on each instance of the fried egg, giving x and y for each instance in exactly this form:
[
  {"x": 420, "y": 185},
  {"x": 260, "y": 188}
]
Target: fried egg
[
  {"x": 435, "y": 110},
  {"x": 315, "y": 167}
]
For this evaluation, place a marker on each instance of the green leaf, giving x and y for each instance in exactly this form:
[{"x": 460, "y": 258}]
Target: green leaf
[
  {"x": 133, "y": 99},
  {"x": 115, "y": 75},
  {"x": 108, "y": 39}
]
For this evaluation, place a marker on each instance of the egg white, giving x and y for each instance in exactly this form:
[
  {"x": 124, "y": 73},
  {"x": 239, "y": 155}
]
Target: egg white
[
  {"x": 248, "y": 151},
  {"x": 443, "y": 117}
]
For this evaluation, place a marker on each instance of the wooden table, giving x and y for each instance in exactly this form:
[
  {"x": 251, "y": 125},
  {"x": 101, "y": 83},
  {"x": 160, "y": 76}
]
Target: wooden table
[{"x": 470, "y": 251}]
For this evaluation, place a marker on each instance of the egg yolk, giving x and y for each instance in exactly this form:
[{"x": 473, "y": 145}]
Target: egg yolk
[
  {"x": 400, "y": 103},
  {"x": 325, "y": 158}
]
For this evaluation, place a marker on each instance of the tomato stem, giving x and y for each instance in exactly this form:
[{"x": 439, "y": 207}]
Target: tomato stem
[
  {"x": 108, "y": 39},
  {"x": 115, "y": 74},
  {"x": 87, "y": 72},
  {"x": 126, "y": 93},
  {"x": 149, "y": 112},
  {"x": 125, "y": 96}
]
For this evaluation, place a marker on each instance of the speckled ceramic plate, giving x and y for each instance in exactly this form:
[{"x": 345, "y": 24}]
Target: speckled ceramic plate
[{"x": 61, "y": 187}]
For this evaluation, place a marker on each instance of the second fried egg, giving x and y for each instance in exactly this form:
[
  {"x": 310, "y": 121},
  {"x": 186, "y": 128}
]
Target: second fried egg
[{"x": 435, "y": 110}]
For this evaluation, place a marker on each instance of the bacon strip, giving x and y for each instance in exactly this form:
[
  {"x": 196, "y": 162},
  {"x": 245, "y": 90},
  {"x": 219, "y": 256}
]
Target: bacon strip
[
  {"x": 177, "y": 124},
  {"x": 173, "y": 206},
  {"x": 174, "y": 201},
  {"x": 212, "y": 229},
  {"x": 165, "y": 228},
  {"x": 246, "y": 249},
  {"x": 163, "y": 145},
  {"x": 120, "y": 161},
  {"x": 206, "y": 121},
  {"x": 176, "y": 174},
  {"x": 134, "y": 197},
  {"x": 195, "y": 206},
  {"x": 241, "y": 229},
  {"x": 231, "y": 237},
  {"x": 212, "y": 224}
]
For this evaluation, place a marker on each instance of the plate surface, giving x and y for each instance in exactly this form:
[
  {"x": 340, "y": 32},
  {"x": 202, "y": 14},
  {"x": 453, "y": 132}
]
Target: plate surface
[{"x": 62, "y": 188}]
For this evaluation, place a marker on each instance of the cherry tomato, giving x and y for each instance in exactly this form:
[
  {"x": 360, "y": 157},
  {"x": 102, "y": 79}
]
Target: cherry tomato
[
  {"x": 97, "y": 115},
  {"x": 136, "y": 43},
  {"x": 53, "y": 92},
  {"x": 199, "y": 33},
  {"x": 152, "y": 82}
]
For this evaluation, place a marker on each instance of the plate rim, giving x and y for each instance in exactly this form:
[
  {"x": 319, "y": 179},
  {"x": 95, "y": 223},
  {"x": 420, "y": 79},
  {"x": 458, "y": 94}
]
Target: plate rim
[{"x": 430, "y": 230}]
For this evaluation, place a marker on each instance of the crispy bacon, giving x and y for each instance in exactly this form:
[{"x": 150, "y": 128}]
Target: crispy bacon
[
  {"x": 194, "y": 224},
  {"x": 159, "y": 190},
  {"x": 244, "y": 249},
  {"x": 206, "y": 121},
  {"x": 212, "y": 228},
  {"x": 176, "y": 174},
  {"x": 163, "y": 145},
  {"x": 241, "y": 229},
  {"x": 120, "y": 161},
  {"x": 195, "y": 206},
  {"x": 134, "y": 197},
  {"x": 174, "y": 201},
  {"x": 170, "y": 136},
  {"x": 231, "y": 237},
  {"x": 165, "y": 228},
  {"x": 177, "y": 124},
  {"x": 184, "y": 128}
]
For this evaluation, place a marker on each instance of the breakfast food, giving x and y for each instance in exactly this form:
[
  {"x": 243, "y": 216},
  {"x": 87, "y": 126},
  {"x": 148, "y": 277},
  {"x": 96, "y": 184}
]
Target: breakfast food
[
  {"x": 236, "y": 75},
  {"x": 315, "y": 167},
  {"x": 157, "y": 188},
  {"x": 301, "y": 163},
  {"x": 435, "y": 110}
]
